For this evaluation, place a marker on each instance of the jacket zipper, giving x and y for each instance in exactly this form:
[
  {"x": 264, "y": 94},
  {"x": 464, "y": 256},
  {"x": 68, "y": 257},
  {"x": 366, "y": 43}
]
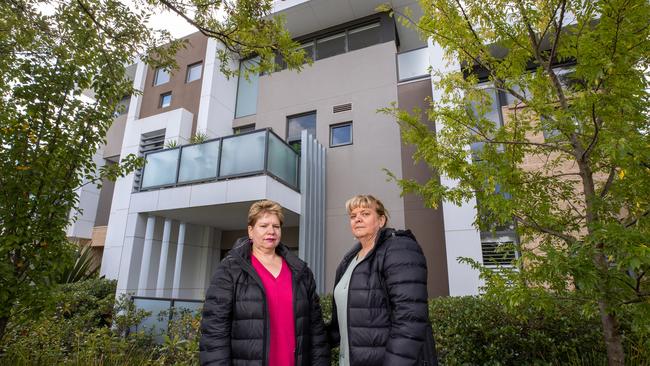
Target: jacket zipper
[{"x": 251, "y": 271}]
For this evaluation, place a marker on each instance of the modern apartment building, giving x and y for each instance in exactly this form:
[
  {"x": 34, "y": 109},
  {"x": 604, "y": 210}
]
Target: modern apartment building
[{"x": 307, "y": 140}]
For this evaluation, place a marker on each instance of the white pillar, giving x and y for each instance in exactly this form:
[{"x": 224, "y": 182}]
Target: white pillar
[
  {"x": 210, "y": 249},
  {"x": 164, "y": 253},
  {"x": 146, "y": 255},
  {"x": 180, "y": 248}
]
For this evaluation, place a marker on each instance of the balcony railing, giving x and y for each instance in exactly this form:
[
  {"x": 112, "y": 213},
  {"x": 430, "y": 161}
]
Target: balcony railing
[
  {"x": 253, "y": 153},
  {"x": 413, "y": 64}
]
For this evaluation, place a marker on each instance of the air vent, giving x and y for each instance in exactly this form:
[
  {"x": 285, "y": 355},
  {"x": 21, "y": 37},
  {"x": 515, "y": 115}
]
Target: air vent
[{"x": 342, "y": 108}]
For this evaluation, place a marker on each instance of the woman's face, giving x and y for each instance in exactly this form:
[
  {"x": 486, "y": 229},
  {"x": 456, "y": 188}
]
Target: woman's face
[
  {"x": 266, "y": 232},
  {"x": 365, "y": 222}
]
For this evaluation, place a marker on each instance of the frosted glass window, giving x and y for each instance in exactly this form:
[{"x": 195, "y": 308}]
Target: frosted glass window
[
  {"x": 160, "y": 168},
  {"x": 181, "y": 307},
  {"x": 199, "y": 162},
  {"x": 246, "y": 90},
  {"x": 413, "y": 64},
  {"x": 283, "y": 161},
  {"x": 154, "y": 323},
  {"x": 242, "y": 154}
]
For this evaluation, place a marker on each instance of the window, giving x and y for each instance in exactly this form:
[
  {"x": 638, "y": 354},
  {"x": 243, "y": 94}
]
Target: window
[
  {"x": 296, "y": 124},
  {"x": 194, "y": 72},
  {"x": 341, "y": 134},
  {"x": 364, "y": 36},
  {"x": 160, "y": 77},
  {"x": 243, "y": 129},
  {"x": 330, "y": 46},
  {"x": 165, "y": 100},
  {"x": 348, "y": 39},
  {"x": 246, "y": 90}
]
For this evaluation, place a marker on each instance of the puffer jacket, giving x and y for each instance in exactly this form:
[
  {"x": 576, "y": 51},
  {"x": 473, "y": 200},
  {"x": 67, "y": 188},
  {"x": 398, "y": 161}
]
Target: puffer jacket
[
  {"x": 387, "y": 302},
  {"x": 235, "y": 324}
]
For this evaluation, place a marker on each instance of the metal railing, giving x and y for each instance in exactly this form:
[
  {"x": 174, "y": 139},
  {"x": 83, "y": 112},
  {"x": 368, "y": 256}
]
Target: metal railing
[{"x": 247, "y": 154}]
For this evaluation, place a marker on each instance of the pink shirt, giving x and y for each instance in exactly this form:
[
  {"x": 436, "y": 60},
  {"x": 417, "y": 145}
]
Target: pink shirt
[{"x": 279, "y": 300}]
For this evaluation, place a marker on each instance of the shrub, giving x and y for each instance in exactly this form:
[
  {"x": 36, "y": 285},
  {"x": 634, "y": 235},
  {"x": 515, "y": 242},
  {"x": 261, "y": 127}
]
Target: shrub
[{"x": 479, "y": 331}]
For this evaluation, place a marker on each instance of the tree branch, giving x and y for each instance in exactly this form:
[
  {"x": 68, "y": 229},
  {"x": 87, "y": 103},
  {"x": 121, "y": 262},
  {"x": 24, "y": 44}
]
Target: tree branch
[{"x": 567, "y": 238}]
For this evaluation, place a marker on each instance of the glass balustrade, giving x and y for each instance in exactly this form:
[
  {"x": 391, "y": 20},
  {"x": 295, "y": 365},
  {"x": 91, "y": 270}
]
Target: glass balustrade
[
  {"x": 258, "y": 152},
  {"x": 413, "y": 64},
  {"x": 160, "y": 168},
  {"x": 283, "y": 161},
  {"x": 199, "y": 162}
]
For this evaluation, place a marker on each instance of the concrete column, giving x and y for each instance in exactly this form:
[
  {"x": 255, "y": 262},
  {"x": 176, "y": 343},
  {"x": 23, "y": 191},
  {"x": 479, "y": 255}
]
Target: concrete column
[
  {"x": 180, "y": 248},
  {"x": 146, "y": 255},
  {"x": 164, "y": 253}
]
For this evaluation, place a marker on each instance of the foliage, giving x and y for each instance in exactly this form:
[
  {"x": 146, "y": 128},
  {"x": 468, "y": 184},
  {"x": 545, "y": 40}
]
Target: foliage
[
  {"x": 570, "y": 165},
  {"x": 198, "y": 138},
  {"x": 62, "y": 76},
  {"x": 79, "y": 332},
  {"x": 82, "y": 268}
]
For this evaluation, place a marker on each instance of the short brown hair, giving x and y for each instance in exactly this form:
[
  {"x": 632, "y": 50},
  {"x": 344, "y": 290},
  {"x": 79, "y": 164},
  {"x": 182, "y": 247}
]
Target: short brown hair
[
  {"x": 367, "y": 201},
  {"x": 260, "y": 208}
]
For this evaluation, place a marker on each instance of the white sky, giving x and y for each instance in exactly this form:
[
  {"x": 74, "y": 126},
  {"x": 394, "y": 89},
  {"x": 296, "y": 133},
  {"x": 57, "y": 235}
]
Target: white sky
[{"x": 176, "y": 25}]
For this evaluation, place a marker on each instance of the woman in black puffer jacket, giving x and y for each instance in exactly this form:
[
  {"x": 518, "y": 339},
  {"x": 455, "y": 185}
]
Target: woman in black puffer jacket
[
  {"x": 238, "y": 316},
  {"x": 380, "y": 312}
]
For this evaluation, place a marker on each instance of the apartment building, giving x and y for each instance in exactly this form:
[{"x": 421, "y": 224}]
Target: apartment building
[{"x": 307, "y": 140}]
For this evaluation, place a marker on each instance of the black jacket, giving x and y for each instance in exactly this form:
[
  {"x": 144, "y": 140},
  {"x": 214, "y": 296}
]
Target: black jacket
[
  {"x": 387, "y": 302},
  {"x": 235, "y": 324}
]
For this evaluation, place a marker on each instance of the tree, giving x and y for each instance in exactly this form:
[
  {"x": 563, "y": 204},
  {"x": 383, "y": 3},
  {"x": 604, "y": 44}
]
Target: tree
[
  {"x": 53, "y": 52},
  {"x": 571, "y": 164}
]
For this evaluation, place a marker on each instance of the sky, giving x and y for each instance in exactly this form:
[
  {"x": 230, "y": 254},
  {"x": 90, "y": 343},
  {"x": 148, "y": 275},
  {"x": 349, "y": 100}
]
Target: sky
[{"x": 176, "y": 25}]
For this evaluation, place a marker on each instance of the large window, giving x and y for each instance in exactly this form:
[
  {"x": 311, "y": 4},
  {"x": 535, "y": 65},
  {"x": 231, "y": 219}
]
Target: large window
[
  {"x": 341, "y": 134},
  {"x": 246, "y": 90},
  {"x": 346, "y": 40},
  {"x": 160, "y": 77},
  {"x": 296, "y": 124},
  {"x": 330, "y": 46},
  {"x": 363, "y": 36},
  {"x": 194, "y": 72}
]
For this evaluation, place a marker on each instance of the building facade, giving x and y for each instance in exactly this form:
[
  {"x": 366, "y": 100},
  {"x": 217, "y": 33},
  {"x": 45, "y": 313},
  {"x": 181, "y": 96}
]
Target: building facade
[{"x": 308, "y": 140}]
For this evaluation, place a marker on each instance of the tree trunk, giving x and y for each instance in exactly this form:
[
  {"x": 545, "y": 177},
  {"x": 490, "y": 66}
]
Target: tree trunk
[
  {"x": 3, "y": 326},
  {"x": 613, "y": 339}
]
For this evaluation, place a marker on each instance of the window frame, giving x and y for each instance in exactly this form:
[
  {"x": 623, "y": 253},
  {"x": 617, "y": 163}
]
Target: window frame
[
  {"x": 339, "y": 125},
  {"x": 162, "y": 98},
  {"x": 189, "y": 69},
  {"x": 156, "y": 76}
]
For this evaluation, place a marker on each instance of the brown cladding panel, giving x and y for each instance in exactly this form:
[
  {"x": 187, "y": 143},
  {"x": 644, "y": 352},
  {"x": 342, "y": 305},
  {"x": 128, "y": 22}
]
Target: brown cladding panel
[
  {"x": 184, "y": 95},
  {"x": 425, "y": 223}
]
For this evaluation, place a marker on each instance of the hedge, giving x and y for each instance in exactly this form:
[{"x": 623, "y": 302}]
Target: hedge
[{"x": 468, "y": 331}]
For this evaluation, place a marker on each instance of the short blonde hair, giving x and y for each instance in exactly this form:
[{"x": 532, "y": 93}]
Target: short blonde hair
[
  {"x": 260, "y": 208},
  {"x": 367, "y": 201}
]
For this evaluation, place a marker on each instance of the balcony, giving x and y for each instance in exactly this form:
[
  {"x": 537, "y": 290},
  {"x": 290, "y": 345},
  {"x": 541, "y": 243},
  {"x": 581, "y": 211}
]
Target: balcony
[
  {"x": 259, "y": 152},
  {"x": 413, "y": 65}
]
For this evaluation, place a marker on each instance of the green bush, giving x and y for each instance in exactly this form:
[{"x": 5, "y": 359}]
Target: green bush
[
  {"x": 89, "y": 327},
  {"x": 477, "y": 331}
]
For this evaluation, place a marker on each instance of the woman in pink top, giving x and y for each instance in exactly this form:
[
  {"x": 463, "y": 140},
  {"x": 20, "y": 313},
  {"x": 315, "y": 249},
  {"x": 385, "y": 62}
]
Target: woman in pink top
[{"x": 261, "y": 307}]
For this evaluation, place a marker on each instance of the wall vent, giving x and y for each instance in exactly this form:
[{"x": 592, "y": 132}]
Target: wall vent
[{"x": 342, "y": 108}]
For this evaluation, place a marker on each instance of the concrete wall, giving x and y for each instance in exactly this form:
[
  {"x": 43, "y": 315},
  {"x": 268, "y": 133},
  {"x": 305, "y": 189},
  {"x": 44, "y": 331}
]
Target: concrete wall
[
  {"x": 184, "y": 95},
  {"x": 351, "y": 169},
  {"x": 426, "y": 223}
]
